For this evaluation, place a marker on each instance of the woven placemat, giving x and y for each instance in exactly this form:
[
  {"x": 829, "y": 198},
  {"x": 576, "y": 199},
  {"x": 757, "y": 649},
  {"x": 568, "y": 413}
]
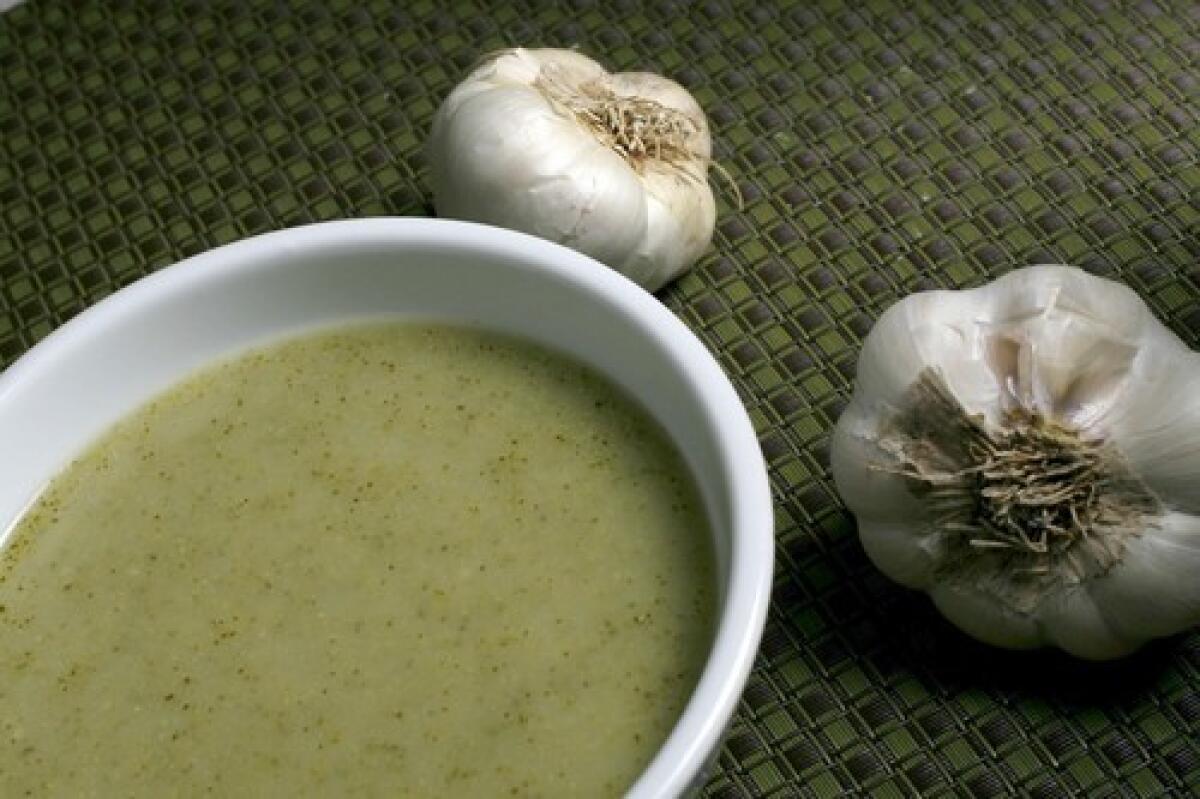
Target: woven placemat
[{"x": 879, "y": 150}]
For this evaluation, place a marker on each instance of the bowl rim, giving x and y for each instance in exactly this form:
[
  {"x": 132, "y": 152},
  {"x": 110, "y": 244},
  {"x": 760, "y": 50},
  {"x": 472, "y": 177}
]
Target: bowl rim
[{"x": 680, "y": 762}]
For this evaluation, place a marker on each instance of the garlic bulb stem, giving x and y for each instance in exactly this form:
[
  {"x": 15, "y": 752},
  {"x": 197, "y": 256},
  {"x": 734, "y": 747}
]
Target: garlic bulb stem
[
  {"x": 1033, "y": 504},
  {"x": 635, "y": 128}
]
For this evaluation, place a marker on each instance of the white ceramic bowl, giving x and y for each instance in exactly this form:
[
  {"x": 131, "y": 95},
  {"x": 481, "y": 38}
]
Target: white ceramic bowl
[{"x": 111, "y": 358}]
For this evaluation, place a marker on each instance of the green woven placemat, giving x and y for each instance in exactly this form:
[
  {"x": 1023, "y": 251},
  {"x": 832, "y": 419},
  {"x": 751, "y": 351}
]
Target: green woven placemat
[{"x": 879, "y": 149}]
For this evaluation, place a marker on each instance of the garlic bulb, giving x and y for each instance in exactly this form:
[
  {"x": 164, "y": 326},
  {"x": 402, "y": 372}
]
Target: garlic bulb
[
  {"x": 549, "y": 143},
  {"x": 1028, "y": 453}
]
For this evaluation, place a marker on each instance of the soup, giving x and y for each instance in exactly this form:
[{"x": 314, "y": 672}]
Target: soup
[{"x": 381, "y": 560}]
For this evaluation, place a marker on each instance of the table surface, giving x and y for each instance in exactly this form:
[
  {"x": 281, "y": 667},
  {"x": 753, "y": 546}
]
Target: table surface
[{"x": 879, "y": 150}]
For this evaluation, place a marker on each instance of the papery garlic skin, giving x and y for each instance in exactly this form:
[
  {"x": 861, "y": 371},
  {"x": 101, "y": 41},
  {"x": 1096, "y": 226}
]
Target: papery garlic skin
[
  {"x": 1081, "y": 352},
  {"x": 505, "y": 150}
]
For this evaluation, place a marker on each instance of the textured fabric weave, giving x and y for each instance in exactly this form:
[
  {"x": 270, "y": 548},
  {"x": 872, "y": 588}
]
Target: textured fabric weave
[{"x": 879, "y": 150}]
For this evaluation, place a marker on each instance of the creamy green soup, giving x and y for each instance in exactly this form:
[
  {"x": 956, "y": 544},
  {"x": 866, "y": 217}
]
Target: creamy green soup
[{"x": 385, "y": 560}]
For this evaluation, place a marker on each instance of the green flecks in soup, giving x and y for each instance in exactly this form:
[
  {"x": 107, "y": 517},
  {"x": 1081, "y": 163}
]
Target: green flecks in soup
[{"x": 384, "y": 560}]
